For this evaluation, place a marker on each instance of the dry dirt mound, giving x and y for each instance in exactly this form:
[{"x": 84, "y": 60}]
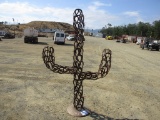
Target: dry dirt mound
[{"x": 46, "y": 25}]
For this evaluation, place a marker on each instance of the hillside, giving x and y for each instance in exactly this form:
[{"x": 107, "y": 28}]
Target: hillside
[
  {"x": 46, "y": 24},
  {"x": 37, "y": 25}
]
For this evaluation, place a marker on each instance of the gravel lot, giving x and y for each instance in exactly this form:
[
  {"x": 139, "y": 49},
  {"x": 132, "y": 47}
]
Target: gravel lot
[{"x": 30, "y": 91}]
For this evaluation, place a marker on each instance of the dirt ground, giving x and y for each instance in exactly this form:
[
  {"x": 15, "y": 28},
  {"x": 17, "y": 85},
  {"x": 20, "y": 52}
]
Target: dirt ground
[{"x": 30, "y": 91}]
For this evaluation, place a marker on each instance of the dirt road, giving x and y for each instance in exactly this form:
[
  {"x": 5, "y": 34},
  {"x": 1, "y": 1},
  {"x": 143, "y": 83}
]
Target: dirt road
[{"x": 30, "y": 91}]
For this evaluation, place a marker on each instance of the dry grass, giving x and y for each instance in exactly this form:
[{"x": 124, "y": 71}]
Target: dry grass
[{"x": 30, "y": 91}]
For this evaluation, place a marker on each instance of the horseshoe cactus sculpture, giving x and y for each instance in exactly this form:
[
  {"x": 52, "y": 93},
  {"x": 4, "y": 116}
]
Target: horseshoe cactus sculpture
[{"x": 77, "y": 108}]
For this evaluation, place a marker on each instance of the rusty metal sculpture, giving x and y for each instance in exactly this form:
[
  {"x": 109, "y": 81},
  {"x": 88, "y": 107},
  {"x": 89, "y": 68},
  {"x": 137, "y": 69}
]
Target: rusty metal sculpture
[{"x": 77, "y": 108}]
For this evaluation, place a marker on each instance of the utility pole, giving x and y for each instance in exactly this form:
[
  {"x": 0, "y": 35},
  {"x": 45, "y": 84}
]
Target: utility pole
[{"x": 14, "y": 27}]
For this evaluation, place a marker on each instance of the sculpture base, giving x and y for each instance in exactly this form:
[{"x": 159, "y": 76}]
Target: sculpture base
[{"x": 74, "y": 112}]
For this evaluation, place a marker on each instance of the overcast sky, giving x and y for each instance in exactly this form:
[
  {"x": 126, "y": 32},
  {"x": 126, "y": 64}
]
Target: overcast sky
[{"x": 98, "y": 13}]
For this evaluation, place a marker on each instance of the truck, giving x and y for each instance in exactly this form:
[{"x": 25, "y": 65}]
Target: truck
[
  {"x": 59, "y": 37},
  {"x": 2, "y": 33},
  {"x": 6, "y": 35},
  {"x": 30, "y": 35}
]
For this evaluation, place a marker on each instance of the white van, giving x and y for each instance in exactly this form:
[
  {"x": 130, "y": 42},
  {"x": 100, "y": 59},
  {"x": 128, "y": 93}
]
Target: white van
[{"x": 59, "y": 37}]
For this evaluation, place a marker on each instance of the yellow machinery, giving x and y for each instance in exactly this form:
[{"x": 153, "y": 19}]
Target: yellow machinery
[{"x": 109, "y": 38}]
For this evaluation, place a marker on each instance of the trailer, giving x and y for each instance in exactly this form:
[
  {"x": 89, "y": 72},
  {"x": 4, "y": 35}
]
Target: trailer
[{"x": 30, "y": 35}]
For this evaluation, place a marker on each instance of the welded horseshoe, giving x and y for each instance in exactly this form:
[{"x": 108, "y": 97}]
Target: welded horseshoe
[{"x": 77, "y": 108}]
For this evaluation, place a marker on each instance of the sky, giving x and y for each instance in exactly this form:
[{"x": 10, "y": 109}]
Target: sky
[{"x": 97, "y": 13}]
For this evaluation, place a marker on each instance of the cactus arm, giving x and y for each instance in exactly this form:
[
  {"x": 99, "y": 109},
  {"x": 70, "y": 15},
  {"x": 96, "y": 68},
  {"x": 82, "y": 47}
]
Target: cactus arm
[
  {"x": 104, "y": 67},
  {"x": 49, "y": 61}
]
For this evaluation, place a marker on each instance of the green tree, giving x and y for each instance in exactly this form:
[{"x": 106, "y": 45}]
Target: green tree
[
  {"x": 139, "y": 29},
  {"x": 156, "y": 29},
  {"x": 132, "y": 29}
]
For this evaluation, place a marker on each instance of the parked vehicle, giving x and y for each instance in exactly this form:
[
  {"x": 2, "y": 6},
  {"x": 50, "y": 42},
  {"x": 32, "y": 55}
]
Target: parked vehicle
[
  {"x": 2, "y": 33},
  {"x": 154, "y": 45},
  {"x": 118, "y": 40},
  {"x": 8, "y": 35},
  {"x": 70, "y": 37},
  {"x": 150, "y": 44},
  {"x": 30, "y": 35},
  {"x": 109, "y": 38},
  {"x": 59, "y": 37},
  {"x": 124, "y": 40}
]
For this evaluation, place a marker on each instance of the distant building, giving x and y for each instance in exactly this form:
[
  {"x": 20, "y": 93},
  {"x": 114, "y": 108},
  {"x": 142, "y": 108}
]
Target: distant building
[
  {"x": 52, "y": 30},
  {"x": 86, "y": 33},
  {"x": 132, "y": 38},
  {"x": 99, "y": 35},
  {"x": 49, "y": 32},
  {"x": 139, "y": 40}
]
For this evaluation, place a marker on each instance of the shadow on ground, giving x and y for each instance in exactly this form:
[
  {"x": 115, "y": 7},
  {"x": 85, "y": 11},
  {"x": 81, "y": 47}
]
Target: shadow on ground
[
  {"x": 97, "y": 116},
  {"x": 42, "y": 43},
  {"x": 66, "y": 44}
]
